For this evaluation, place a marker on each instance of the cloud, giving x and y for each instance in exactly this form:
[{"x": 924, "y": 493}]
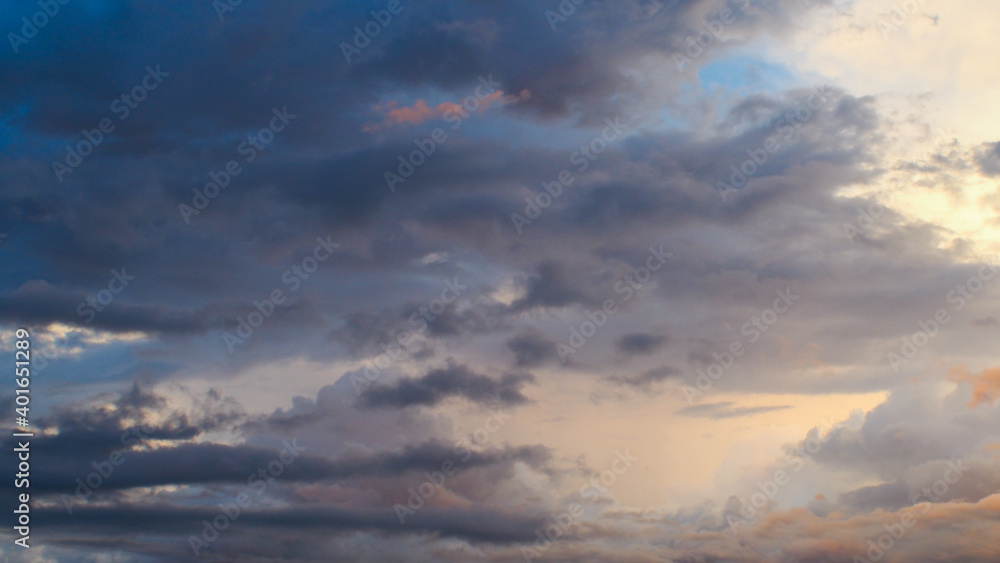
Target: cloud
[
  {"x": 553, "y": 285},
  {"x": 647, "y": 379},
  {"x": 181, "y": 521},
  {"x": 454, "y": 380},
  {"x": 641, "y": 344},
  {"x": 41, "y": 302},
  {"x": 396, "y": 115},
  {"x": 206, "y": 463},
  {"x": 988, "y": 159},
  {"x": 986, "y": 321},
  {"x": 726, "y": 409},
  {"x": 985, "y": 384},
  {"x": 531, "y": 348},
  {"x": 688, "y": 130}
]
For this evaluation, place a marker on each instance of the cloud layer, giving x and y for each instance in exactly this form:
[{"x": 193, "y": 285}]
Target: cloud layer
[{"x": 450, "y": 281}]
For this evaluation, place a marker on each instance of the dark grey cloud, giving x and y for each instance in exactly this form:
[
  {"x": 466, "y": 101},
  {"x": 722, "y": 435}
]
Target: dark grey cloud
[
  {"x": 454, "y": 380},
  {"x": 40, "y": 302},
  {"x": 78, "y": 433},
  {"x": 88, "y": 432},
  {"x": 194, "y": 463},
  {"x": 180, "y": 522},
  {"x": 641, "y": 343},
  {"x": 532, "y": 348},
  {"x": 553, "y": 285},
  {"x": 646, "y": 380}
]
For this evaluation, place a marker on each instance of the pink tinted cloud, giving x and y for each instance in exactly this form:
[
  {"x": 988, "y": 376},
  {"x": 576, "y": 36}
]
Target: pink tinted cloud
[
  {"x": 985, "y": 384},
  {"x": 395, "y": 115}
]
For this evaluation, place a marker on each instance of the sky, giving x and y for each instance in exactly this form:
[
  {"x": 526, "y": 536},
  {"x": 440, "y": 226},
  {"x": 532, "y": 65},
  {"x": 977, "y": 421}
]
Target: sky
[{"x": 558, "y": 280}]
